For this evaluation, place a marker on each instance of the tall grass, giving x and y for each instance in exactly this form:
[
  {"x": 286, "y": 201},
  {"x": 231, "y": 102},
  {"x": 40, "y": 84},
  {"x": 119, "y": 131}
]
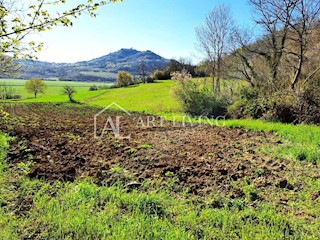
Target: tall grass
[
  {"x": 82, "y": 210},
  {"x": 302, "y": 141}
]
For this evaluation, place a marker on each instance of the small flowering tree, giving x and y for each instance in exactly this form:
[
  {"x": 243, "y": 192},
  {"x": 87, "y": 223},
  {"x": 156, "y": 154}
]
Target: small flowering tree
[{"x": 181, "y": 75}]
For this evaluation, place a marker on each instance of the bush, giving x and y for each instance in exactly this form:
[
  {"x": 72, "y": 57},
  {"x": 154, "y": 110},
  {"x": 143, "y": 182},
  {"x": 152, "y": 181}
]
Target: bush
[
  {"x": 161, "y": 75},
  {"x": 250, "y": 105},
  {"x": 69, "y": 91},
  {"x": 16, "y": 96},
  {"x": 150, "y": 79},
  {"x": 286, "y": 107},
  {"x": 6, "y": 92},
  {"x": 198, "y": 100},
  {"x": 93, "y": 88},
  {"x": 124, "y": 79},
  {"x": 307, "y": 105}
]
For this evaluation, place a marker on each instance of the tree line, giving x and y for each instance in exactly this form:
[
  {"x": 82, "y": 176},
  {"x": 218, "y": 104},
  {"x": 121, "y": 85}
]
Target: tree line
[{"x": 278, "y": 60}]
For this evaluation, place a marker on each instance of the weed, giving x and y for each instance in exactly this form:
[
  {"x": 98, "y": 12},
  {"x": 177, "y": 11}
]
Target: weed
[
  {"x": 146, "y": 146},
  {"x": 258, "y": 172},
  {"x": 25, "y": 167},
  {"x": 132, "y": 151},
  {"x": 116, "y": 169}
]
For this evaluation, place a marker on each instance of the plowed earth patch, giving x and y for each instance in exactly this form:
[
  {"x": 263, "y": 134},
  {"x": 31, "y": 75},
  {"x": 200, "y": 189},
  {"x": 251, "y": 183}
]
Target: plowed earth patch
[{"x": 202, "y": 159}]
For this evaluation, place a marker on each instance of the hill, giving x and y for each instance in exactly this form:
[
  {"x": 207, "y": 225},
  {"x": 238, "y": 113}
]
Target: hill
[{"x": 102, "y": 69}]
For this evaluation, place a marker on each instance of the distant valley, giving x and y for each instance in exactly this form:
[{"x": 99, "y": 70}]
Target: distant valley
[{"x": 102, "y": 69}]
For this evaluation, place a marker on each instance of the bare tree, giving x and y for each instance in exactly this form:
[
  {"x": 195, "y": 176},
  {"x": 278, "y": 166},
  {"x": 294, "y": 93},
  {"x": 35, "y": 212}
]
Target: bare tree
[
  {"x": 280, "y": 48},
  {"x": 214, "y": 40},
  {"x": 142, "y": 71},
  {"x": 305, "y": 20}
]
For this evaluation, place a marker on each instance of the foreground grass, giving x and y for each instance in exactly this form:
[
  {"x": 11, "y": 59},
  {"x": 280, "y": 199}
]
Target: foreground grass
[
  {"x": 302, "y": 142},
  {"x": 82, "y": 210}
]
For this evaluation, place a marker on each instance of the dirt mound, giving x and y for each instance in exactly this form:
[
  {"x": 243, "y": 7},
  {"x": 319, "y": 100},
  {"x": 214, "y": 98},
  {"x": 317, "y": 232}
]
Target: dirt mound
[{"x": 202, "y": 158}]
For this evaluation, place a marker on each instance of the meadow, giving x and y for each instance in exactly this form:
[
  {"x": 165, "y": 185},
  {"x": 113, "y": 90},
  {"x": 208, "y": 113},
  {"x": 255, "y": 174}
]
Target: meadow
[
  {"x": 54, "y": 91},
  {"x": 83, "y": 209}
]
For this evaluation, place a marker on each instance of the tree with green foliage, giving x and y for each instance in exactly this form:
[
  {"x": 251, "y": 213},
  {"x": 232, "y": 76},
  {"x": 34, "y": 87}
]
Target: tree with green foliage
[
  {"x": 20, "y": 18},
  {"x": 35, "y": 86},
  {"x": 124, "y": 79},
  {"x": 69, "y": 91}
]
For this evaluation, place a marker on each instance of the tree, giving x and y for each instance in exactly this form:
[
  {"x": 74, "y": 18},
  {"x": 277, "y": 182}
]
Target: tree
[
  {"x": 124, "y": 79},
  {"x": 69, "y": 91},
  {"x": 20, "y": 18},
  {"x": 35, "y": 86},
  {"x": 280, "y": 59},
  {"x": 285, "y": 27},
  {"x": 214, "y": 40},
  {"x": 142, "y": 71}
]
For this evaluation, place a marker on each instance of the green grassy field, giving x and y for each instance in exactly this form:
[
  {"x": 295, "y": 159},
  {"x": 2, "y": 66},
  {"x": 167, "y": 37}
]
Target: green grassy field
[
  {"x": 155, "y": 98},
  {"x": 54, "y": 91}
]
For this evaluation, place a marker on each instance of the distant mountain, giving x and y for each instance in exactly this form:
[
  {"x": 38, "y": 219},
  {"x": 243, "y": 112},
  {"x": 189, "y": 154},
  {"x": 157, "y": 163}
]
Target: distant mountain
[{"x": 102, "y": 69}]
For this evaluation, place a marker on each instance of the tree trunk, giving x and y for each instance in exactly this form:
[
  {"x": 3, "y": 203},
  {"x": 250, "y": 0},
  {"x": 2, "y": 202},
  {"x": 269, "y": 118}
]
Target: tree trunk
[
  {"x": 299, "y": 69},
  {"x": 213, "y": 83},
  {"x": 218, "y": 88}
]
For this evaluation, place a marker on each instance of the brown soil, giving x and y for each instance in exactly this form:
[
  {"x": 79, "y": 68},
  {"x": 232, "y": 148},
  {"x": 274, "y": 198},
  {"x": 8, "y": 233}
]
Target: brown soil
[{"x": 201, "y": 158}]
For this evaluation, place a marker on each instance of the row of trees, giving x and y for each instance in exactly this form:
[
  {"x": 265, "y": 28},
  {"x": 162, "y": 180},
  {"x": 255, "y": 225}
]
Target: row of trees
[
  {"x": 286, "y": 34},
  {"x": 279, "y": 59}
]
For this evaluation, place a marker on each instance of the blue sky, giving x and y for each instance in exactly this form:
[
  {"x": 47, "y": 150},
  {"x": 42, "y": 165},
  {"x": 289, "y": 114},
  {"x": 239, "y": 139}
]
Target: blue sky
[{"x": 166, "y": 27}]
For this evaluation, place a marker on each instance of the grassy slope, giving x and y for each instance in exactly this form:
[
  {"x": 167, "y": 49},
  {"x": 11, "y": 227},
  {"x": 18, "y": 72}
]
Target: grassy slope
[{"x": 153, "y": 98}]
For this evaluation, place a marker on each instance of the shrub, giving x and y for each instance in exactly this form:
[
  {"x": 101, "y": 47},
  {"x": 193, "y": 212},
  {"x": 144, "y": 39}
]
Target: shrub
[
  {"x": 150, "y": 79},
  {"x": 124, "y": 79},
  {"x": 198, "y": 100},
  {"x": 251, "y": 104},
  {"x": 307, "y": 105},
  {"x": 181, "y": 75},
  {"x": 6, "y": 92},
  {"x": 93, "y": 88},
  {"x": 69, "y": 91},
  {"x": 16, "y": 96},
  {"x": 283, "y": 106},
  {"x": 161, "y": 75}
]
